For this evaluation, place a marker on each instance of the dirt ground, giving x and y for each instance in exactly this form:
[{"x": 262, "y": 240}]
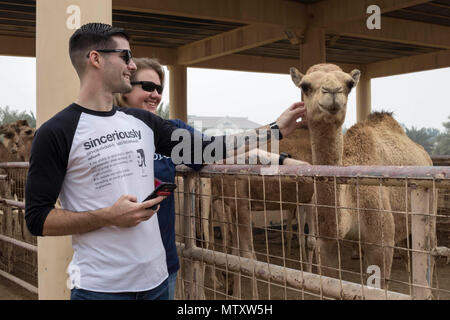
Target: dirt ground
[
  {"x": 12, "y": 291},
  {"x": 351, "y": 272}
]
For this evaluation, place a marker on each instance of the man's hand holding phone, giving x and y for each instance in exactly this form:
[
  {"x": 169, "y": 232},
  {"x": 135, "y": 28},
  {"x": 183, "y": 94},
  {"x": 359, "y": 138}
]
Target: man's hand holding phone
[
  {"x": 127, "y": 212},
  {"x": 162, "y": 189}
]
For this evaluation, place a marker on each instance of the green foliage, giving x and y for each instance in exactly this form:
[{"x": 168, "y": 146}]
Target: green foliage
[
  {"x": 426, "y": 137},
  {"x": 163, "y": 111},
  {"x": 8, "y": 115},
  {"x": 443, "y": 141}
]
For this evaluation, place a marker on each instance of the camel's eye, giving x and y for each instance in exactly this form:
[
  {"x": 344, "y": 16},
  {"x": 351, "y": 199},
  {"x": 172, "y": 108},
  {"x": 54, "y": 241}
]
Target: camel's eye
[
  {"x": 28, "y": 132},
  {"x": 350, "y": 84},
  {"x": 306, "y": 87},
  {"x": 9, "y": 135}
]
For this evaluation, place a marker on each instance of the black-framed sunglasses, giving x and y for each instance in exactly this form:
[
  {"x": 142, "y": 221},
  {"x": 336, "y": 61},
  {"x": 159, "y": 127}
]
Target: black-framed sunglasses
[
  {"x": 127, "y": 57},
  {"x": 149, "y": 86}
]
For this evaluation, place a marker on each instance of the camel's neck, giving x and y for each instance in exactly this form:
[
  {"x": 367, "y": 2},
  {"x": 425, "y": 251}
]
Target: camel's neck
[
  {"x": 327, "y": 149},
  {"x": 326, "y": 144}
]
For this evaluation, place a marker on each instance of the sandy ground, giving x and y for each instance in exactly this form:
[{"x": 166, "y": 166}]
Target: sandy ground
[
  {"x": 399, "y": 276},
  {"x": 11, "y": 291}
]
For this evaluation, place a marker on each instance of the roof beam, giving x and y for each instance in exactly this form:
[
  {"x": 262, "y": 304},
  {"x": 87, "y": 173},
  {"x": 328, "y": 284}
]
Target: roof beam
[
  {"x": 249, "y": 63},
  {"x": 17, "y": 46},
  {"x": 333, "y": 12},
  {"x": 276, "y": 12},
  {"x": 166, "y": 56},
  {"x": 422, "y": 62},
  {"x": 229, "y": 42},
  {"x": 398, "y": 30}
]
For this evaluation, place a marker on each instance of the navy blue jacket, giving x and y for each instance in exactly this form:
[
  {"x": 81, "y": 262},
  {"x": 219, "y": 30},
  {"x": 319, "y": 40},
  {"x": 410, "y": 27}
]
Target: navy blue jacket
[{"x": 165, "y": 171}]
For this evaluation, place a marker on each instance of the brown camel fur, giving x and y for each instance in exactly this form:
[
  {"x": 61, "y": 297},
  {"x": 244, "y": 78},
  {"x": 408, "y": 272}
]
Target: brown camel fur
[
  {"x": 15, "y": 146},
  {"x": 17, "y": 139},
  {"x": 378, "y": 141},
  {"x": 233, "y": 211}
]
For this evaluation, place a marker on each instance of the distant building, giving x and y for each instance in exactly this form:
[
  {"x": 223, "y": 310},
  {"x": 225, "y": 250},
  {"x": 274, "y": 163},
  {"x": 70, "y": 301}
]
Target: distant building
[{"x": 216, "y": 126}]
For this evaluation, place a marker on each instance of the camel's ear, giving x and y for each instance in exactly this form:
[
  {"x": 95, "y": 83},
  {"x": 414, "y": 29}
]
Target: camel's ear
[
  {"x": 355, "y": 74},
  {"x": 296, "y": 76},
  {"x": 22, "y": 123}
]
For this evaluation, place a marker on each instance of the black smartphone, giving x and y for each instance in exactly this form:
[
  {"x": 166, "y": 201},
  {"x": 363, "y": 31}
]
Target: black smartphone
[{"x": 162, "y": 189}]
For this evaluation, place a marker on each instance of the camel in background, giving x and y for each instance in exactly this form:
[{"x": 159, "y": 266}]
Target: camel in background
[{"x": 15, "y": 146}]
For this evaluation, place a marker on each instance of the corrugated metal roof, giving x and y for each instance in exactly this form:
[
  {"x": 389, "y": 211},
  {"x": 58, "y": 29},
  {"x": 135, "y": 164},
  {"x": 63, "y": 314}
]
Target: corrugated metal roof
[
  {"x": 344, "y": 50},
  {"x": 436, "y": 12}
]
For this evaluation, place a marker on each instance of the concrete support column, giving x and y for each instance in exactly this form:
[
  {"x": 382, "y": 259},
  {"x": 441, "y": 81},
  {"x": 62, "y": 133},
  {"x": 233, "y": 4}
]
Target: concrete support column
[
  {"x": 363, "y": 97},
  {"x": 178, "y": 92},
  {"x": 57, "y": 86},
  {"x": 312, "y": 49}
]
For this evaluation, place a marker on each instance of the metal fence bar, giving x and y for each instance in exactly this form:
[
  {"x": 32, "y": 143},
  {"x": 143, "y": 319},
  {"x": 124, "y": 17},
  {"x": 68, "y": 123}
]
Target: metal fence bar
[
  {"x": 14, "y": 165},
  {"x": 441, "y": 160},
  {"x": 310, "y": 282},
  {"x": 422, "y": 264},
  {"x": 19, "y": 243},
  {"x": 12, "y": 203},
  {"x": 367, "y": 175},
  {"x": 18, "y": 281}
]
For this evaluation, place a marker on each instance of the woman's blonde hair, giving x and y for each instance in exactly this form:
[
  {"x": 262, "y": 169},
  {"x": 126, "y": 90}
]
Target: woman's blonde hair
[{"x": 141, "y": 64}]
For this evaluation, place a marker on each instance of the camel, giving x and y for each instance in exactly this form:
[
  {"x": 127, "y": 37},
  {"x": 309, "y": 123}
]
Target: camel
[
  {"x": 10, "y": 143},
  {"x": 15, "y": 146},
  {"x": 17, "y": 139},
  {"x": 232, "y": 210},
  {"x": 26, "y": 135},
  {"x": 380, "y": 140}
]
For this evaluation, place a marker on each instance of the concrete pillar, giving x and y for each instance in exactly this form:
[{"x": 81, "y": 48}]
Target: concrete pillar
[
  {"x": 178, "y": 92},
  {"x": 312, "y": 48},
  {"x": 57, "y": 86},
  {"x": 363, "y": 98}
]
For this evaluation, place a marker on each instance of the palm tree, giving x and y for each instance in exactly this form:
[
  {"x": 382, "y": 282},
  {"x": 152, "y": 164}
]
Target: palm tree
[
  {"x": 8, "y": 115},
  {"x": 424, "y": 136},
  {"x": 443, "y": 141}
]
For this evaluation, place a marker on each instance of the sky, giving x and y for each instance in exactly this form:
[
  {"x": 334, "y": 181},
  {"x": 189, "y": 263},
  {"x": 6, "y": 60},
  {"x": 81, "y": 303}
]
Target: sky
[{"x": 417, "y": 99}]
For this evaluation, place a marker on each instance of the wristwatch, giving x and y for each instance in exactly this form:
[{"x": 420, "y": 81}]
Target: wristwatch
[
  {"x": 283, "y": 156},
  {"x": 274, "y": 126}
]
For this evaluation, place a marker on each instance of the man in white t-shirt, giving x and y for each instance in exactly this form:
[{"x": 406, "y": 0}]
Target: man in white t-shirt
[{"x": 86, "y": 156}]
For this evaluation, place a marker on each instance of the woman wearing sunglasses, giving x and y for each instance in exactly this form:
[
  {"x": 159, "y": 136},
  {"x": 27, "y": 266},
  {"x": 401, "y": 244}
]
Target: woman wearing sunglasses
[{"x": 148, "y": 85}]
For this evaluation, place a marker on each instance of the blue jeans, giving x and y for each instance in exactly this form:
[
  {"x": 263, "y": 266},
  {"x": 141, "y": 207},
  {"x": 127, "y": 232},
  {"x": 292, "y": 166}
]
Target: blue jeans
[
  {"x": 161, "y": 292},
  {"x": 172, "y": 282}
]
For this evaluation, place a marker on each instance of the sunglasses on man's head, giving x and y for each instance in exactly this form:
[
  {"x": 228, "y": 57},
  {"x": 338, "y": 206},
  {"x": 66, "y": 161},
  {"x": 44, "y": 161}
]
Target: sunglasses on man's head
[
  {"x": 127, "y": 57},
  {"x": 149, "y": 86}
]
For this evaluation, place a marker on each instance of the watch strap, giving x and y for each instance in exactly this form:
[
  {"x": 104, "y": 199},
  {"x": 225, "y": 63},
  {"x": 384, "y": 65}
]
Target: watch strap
[
  {"x": 283, "y": 156},
  {"x": 274, "y": 126}
]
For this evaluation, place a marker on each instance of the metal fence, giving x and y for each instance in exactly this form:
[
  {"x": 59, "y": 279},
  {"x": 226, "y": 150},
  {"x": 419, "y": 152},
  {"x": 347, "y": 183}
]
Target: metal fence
[
  {"x": 18, "y": 247},
  {"x": 235, "y": 229},
  {"x": 242, "y": 234}
]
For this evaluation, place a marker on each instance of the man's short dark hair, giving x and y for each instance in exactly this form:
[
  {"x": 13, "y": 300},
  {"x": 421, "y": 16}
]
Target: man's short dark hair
[{"x": 92, "y": 36}]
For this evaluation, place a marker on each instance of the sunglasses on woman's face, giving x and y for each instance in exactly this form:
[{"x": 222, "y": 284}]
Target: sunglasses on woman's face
[
  {"x": 149, "y": 86},
  {"x": 126, "y": 57}
]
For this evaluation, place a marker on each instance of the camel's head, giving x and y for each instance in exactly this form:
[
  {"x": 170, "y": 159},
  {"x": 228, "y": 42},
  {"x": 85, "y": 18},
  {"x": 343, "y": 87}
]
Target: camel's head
[
  {"x": 325, "y": 88},
  {"x": 10, "y": 139},
  {"x": 26, "y": 135},
  {"x": 17, "y": 138}
]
